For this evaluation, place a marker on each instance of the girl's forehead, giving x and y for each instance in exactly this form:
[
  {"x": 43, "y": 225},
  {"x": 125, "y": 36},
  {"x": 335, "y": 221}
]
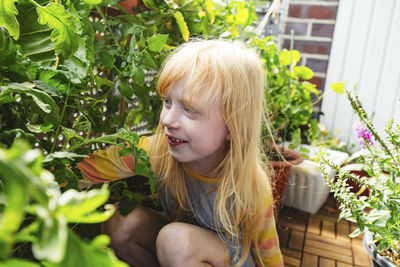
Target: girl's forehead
[{"x": 195, "y": 95}]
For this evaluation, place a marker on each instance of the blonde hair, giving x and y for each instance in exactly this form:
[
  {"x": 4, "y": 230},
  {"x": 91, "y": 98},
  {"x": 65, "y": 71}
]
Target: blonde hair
[{"x": 224, "y": 73}]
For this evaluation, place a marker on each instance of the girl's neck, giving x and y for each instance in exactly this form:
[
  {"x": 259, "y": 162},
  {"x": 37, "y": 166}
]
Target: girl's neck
[{"x": 200, "y": 170}]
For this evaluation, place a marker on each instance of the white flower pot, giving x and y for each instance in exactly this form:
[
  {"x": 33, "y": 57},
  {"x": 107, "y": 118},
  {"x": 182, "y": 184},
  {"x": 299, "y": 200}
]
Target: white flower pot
[{"x": 307, "y": 189}]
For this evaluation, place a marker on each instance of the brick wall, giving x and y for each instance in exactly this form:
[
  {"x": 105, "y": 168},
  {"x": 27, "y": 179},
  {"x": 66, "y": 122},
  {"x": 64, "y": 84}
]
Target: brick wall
[{"x": 313, "y": 22}]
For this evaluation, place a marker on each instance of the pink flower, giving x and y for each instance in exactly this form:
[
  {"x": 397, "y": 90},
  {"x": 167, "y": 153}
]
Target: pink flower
[{"x": 363, "y": 135}]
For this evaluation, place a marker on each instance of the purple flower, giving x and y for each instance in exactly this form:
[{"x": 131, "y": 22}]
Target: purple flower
[{"x": 363, "y": 135}]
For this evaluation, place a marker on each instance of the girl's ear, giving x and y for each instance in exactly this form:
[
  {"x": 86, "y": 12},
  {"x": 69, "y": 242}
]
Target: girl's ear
[{"x": 228, "y": 135}]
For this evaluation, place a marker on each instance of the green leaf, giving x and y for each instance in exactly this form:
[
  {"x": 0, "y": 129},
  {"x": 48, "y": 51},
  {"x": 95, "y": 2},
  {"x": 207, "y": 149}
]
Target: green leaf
[
  {"x": 14, "y": 210},
  {"x": 106, "y": 58},
  {"x": 338, "y": 88},
  {"x": 63, "y": 155},
  {"x": 183, "y": 28},
  {"x": 304, "y": 72},
  {"x": 148, "y": 61},
  {"x": 4, "y": 99},
  {"x": 149, "y": 4},
  {"x": 39, "y": 128},
  {"x": 125, "y": 90},
  {"x": 100, "y": 82},
  {"x": 8, "y": 19},
  {"x": 242, "y": 16},
  {"x": 138, "y": 75},
  {"x": 210, "y": 8},
  {"x": 93, "y": 2},
  {"x": 18, "y": 262},
  {"x": 46, "y": 104},
  {"x": 129, "y": 201},
  {"x": 284, "y": 57},
  {"x": 64, "y": 32},
  {"x": 156, "y": 42},
  {"x": 80, "y": 206},
  {"x": 81, "y": 253},
  {"x": 53, "y": 237},
  {"x": 355, "y": 233}
]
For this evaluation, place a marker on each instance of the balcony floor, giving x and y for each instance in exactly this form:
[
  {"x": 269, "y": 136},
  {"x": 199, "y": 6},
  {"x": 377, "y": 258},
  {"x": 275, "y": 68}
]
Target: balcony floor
[{"x": 319, "y": 240}]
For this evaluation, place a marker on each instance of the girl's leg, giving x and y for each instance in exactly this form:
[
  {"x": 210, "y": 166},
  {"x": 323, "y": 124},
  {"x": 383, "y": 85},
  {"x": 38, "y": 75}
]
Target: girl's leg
[
  {"x": 133, "y": 237},
  {"x": 187, "y": 245}
]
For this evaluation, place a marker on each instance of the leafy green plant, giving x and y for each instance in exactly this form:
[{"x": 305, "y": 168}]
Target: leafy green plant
[
  {"x": 378, "y": 212},
  {"x": 35, "y": 211},
  {"x": 76, "y": 76},
  {"x": 288, "y": 94}
]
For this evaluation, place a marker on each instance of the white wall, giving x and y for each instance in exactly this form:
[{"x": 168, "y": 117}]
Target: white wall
[{"x": 366, "y": 51}]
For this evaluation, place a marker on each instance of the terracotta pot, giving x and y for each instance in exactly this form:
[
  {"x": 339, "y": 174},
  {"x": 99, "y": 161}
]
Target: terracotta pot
[
  {"x": 281, "y": 173},
  {"x": 128, "y": 4}
]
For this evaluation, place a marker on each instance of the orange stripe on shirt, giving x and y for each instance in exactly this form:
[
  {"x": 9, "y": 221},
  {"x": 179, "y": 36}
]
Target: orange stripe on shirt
[
  {"x": 270, "y": 212},
  {"x": 269, "y": 244}
]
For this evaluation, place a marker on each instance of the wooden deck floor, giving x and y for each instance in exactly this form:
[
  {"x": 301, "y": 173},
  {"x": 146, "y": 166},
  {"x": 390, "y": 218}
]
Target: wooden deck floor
[{"x": 319, "y": 240}]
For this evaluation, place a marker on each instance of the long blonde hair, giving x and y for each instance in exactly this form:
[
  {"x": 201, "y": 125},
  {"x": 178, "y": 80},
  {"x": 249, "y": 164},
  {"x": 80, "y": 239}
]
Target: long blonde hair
[{"x": 226, "y": 73}]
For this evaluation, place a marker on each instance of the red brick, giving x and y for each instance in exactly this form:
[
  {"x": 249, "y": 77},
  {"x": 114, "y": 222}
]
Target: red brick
[
  {"x": 321, "y": 12},
  {"x": 300, "y": 28},
  {"x": 311, "y": 47},
  {"x": 322, "y": 30},
  {"x": 317, "y": 65},
  {"x": 318, "y": 81},
  {"x": 295, "y": 11}
]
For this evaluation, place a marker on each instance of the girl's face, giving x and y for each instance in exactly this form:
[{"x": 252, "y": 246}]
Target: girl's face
[{"x": 197, "y": 135}]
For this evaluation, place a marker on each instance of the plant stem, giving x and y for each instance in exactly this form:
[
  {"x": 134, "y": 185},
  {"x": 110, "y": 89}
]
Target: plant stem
[
  {"x": 289, "y": 86},
  {"x": 105, "y": 22},
  {"x": 61, "y": 119}
]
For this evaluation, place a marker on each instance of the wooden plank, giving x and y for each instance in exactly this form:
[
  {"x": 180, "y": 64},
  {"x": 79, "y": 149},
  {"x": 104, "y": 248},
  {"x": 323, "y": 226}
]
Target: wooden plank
[
  {"x": 328, "y": 241},
  {"x": 360, "y": 255},
  {"x": 342, "y": 264},
  {"x": 314, "y": 225},
  {"x": 283, "y": 235},
  {"x": 323, "y": 262},
  {"x": 292, "y": 253},
  {"x": 292, "y": 218},
  {"x": 291, "y": 261},
  {"x": 309, "y": 260},
  {"x": 327, "y": 254},
  {"x": 326, "y": 248},
  {"x": 343, "y": 231},
  {"x": 328, "y": 229},
  {"x": 296, "y": 240}
]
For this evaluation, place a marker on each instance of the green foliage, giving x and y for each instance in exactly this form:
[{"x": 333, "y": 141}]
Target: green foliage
[
  {"x": 379, "y": 212},
  {"x": 7, "y": 17},
  {"x": 40, "y": 213},
  {"x": 288, "y": 98},
  {"x": 76, "y": 76}
]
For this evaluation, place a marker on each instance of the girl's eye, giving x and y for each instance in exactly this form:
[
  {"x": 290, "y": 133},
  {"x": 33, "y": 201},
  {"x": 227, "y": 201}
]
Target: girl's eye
[
  {"x": 167, "y": 101},
  {"x": 189, "y": 110}
]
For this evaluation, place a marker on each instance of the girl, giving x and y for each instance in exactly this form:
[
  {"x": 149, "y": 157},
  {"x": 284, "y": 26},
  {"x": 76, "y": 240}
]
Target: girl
[{"x": 206, "y": 156}]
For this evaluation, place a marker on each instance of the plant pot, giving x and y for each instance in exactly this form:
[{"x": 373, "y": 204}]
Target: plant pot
[
  {"x": 377, "y": 260},
  {"x": 281, "y": 173},
  {"x": 128, "y": 4},
  {"x": 307, "y": 189}
]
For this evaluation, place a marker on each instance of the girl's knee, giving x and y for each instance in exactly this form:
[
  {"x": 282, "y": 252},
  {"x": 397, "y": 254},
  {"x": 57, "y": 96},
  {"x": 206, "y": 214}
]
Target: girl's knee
[
  {"x": 175, "y": 244},
  {"x": 121, "y": 229}
]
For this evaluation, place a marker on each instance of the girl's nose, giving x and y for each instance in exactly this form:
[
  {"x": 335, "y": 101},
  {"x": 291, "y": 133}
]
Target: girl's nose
[{"x": 169, "y": 118}]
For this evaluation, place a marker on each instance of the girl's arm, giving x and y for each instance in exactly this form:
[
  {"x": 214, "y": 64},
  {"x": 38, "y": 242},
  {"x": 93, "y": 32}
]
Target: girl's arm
[
  {"x": 269, "y": 241},
  {"x": 107, "y": 165}
]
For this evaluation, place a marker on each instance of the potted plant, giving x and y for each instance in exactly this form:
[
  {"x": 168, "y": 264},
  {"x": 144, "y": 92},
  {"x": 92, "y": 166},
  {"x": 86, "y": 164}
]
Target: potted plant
[
  {"x": 289, "y": 107},
  {"x": 377, "y": 215}
]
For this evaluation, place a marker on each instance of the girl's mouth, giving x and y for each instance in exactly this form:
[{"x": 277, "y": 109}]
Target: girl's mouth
[{"x": 174, "y": 141}]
